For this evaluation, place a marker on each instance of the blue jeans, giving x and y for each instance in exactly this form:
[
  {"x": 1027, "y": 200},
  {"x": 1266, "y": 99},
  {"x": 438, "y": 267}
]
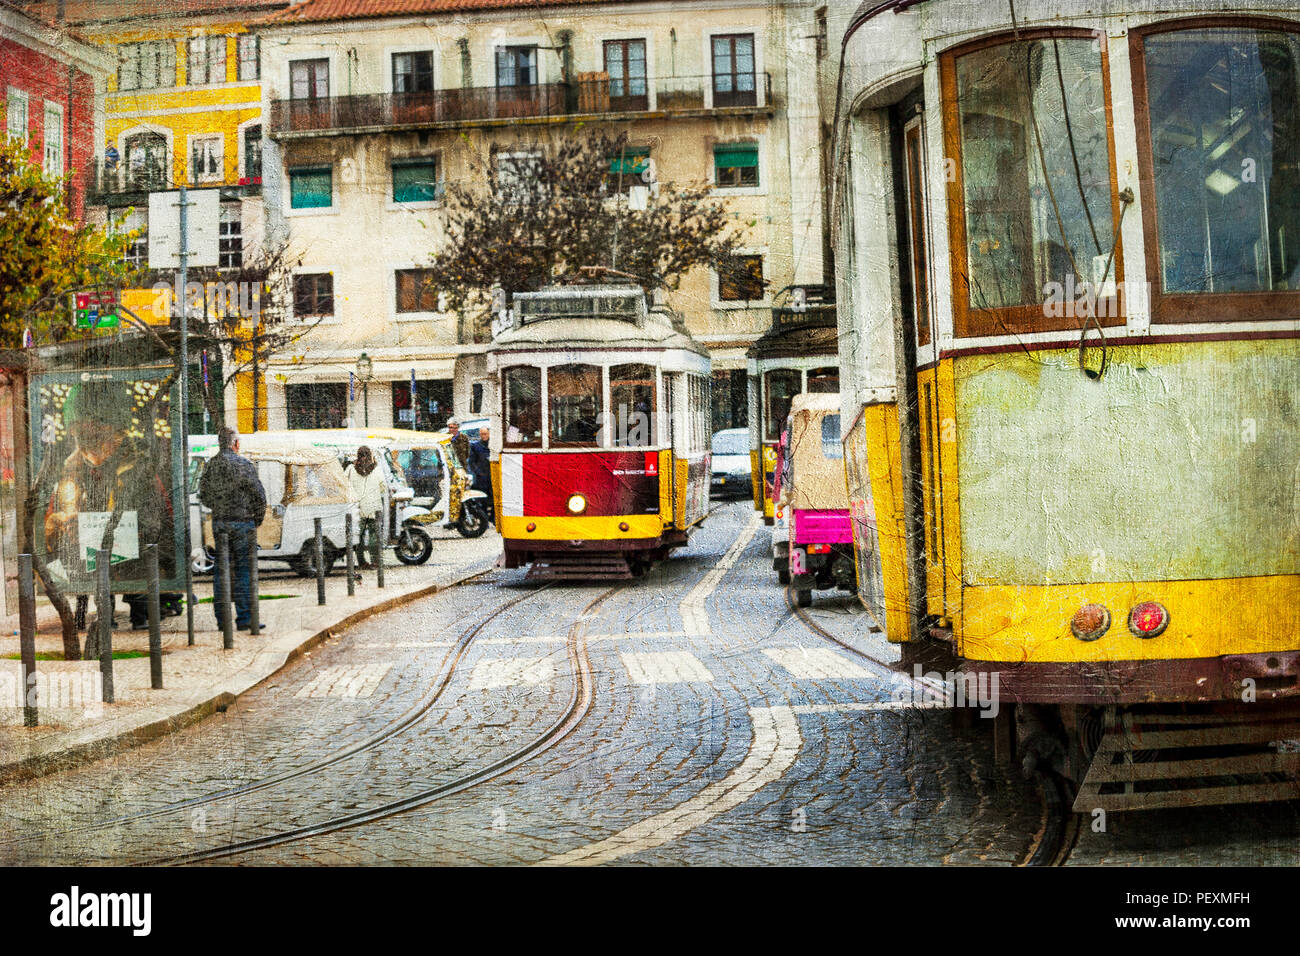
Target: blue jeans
[{"x": 241, "y": 535}]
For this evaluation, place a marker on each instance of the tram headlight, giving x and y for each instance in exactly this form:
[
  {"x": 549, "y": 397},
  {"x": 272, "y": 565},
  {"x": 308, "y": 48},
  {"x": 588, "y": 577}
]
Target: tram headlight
[
  {"x": 1148, "y": 619},
  {"x": 577, "y": 504},
  {"x": 1090, "y": 622}
]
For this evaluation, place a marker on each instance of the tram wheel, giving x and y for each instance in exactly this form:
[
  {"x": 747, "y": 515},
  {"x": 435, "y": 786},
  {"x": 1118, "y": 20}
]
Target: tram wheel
[
  {"x": 803, "y": 598},
  {"x": 783, "y": 575}
]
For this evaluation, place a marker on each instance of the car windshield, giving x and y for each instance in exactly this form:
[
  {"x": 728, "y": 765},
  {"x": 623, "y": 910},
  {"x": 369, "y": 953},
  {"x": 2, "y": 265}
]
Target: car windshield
[{"x": 731, "y": 443}]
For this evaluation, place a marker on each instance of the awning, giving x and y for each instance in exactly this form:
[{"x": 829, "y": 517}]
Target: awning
[{"x": 743, "y": 155}]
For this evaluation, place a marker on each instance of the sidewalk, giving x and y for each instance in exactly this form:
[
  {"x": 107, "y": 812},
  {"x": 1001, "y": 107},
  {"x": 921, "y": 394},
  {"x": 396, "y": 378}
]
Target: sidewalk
[{"x": 75, "y": 728}]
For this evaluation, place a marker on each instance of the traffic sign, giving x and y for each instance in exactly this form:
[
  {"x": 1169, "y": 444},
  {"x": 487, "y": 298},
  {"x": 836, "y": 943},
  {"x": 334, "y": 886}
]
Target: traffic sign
[
  {"x": 95, "y": 310},
  {"x": 203, "y": 221}
]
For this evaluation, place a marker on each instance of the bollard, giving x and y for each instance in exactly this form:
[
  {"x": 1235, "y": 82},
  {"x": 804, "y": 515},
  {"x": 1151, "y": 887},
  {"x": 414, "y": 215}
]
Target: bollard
[
  {"x": 380, "y": 537},
  {"x": 27, "y": 637},
  {"x": 155, "y": 618},
  {"x": 254, "y": 608},
  {"x": 351, "y": 558},
  {"x": 228, "y": 612},
  {"x": 104, "y": 610},
  {"x": 319, "y": 545}
]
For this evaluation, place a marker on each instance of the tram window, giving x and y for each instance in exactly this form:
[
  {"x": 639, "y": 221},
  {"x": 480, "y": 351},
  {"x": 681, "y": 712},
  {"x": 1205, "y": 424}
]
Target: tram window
[
  {"x": 824, "y": 380},
  {"x": 831, "y": 447},
  {"x": 575, "y": 400},
  {"x": 632, "y": 397},
  {"x": 1224, "y": 118},
  {"x": 1035, "y": 179},
  {"x": 780, "y": 386},
  {"x": 523, "y": 406}
]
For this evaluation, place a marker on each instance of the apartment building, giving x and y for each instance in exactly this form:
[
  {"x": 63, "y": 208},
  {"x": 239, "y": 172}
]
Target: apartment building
[{"x": 372, "y": 106}]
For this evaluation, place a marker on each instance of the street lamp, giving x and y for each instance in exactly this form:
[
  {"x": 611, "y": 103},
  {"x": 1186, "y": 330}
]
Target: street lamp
[{"x": 365, "y": 372}]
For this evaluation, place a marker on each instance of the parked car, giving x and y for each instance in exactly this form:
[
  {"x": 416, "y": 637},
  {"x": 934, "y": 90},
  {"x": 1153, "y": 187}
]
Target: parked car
[{"x": 732, "y": 472}]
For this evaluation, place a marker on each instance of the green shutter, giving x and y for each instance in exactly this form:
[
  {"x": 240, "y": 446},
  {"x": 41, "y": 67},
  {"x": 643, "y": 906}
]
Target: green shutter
[
  {"x": 311, "y": 188},
  {"x": 731, "y": 157},
  {"x": 632, "y": 162},
  {"x": 415, "y": 182}
]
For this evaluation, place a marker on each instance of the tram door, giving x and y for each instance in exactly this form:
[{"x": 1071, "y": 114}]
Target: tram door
[
  {"x": 675, "y": 438},
  {"x": 931, "y": 422}
]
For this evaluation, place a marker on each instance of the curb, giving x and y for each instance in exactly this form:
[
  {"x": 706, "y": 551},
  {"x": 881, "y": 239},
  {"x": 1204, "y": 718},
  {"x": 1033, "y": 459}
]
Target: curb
[{"x": 30, "y": 768}]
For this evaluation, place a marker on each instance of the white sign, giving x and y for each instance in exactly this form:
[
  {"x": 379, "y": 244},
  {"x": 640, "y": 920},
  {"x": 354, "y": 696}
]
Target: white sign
[
  {"x": 90, "y": 535},
  {"x": 165, "y": 228}
]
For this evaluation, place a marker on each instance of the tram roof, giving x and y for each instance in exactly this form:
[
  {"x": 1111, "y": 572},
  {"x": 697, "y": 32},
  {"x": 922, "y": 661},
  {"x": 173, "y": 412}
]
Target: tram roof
[
  {"x": 807, "y": 334},
  {"x": 607, "y": 317}
]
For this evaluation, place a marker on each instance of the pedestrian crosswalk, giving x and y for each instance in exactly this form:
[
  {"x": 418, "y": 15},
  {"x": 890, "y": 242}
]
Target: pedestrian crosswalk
[
  {"x": 511, "y": 671},
  {"x": 816, "y": 663},
  {"x": 667, "y": 667},
  {"x": 354, "y": 680}
]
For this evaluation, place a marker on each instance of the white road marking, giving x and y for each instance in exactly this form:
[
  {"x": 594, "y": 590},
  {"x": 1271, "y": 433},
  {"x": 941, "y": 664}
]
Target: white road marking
[
  {"x": 510, "y": 671},
  {"x": 356, "y": 680},
  {"x": 772, "y": 752},
  {"x": 694, "y": 615},
  {"x": 817, "y": 663},
  {"x": 667, "y": 667},
  {"x": 873, "y": 705}
]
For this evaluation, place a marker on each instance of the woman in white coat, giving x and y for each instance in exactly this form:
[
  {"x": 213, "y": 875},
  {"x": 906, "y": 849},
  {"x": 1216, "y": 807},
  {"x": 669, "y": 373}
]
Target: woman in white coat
[{"x": 368, "y": 485}]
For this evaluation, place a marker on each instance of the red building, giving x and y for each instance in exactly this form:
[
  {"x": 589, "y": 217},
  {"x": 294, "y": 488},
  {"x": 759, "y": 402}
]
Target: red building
[{"x": 51, "y": 86}]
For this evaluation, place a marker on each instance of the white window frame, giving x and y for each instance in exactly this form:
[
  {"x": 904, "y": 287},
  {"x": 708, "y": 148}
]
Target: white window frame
[
  {"x": 14, "y": 96},
  {"x": 650, "y": 72},
  {"x": 242, "y": 149},
  {"x": 207, "y": 178},
  {"x": 391, "y": 51},
  {"x": 511, "y": 155},
  {"x": 548, "y": 74},
  {"x": 715, "y": 298},
  {"x": 335, "y": 182},
  {"x": 240, "y": 39},
  {"x": 334, "y": 319},
  {"x": 55, "y": 110},
  {"x": 207, "y": 39},
  {"x": 393, "y": 314},
  {"x": 392, "y": 204}
]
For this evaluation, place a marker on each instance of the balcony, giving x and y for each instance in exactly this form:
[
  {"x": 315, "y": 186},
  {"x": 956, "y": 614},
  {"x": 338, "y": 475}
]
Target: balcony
[
  {"x": 119, "y": 184},
  {"x": 590, "y": 95}
]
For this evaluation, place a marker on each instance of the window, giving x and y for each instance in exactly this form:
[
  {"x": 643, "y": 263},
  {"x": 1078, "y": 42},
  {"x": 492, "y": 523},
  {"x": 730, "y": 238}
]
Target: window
[
  {"x": 413, "y": 72},
  {"x": 416, "y": 180},
  {"x": 415, "y": 293},
  {"x": 137, "y": 253},
  {"x": 632, "y": 404},
  {"x": 205, "y": 61},
  {"x": 831, "y": 447},
  {"x": 248, "y": 48},
  {"x": 824, "y": 380},
  {"x": 146, "y": 160},
  {"x": 17, "y": 122},
  {"x": 311, "y": 188},
  {"x": 147, "y": 66},
  {"x": 736, "y": 164},
  {"x": 313, "y": 294},
  {"x": 741, "y": 279},
  {"x": 575, "y": 405},
  {"x": 1221, "y": 142},
  {"x": 320, "y": 405},
  {"x": 1035, "y": 184},
  {"x": 733, "y": 71},
  {"x": 206, "y": 164},
  {"x": 517, "y": 174},
  {"x": 53, "y": 140},
  {"x": 628, "y": 168},
  {"x": 253, "y": 155},
  {"x": 230, "y": 238},
  {"x": 699, "y": 414},
  {"x": 522, "y": 397},
  {"x": 780, "y": 386},
  {"x": 517, "y": 66},
  {"x": 309, "y": 79},
  {"x": 428, "y": 412},
  {"x": 625, "y": 62}
]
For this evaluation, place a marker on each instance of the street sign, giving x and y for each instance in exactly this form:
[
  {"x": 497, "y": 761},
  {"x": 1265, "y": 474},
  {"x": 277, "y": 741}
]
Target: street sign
[
  {"x": 95, "y": 310},
  {"x": 165, "y": 228}
]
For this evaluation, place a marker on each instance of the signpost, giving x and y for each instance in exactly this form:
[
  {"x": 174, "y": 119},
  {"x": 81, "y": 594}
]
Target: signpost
[{"x": 96, "y": 310}]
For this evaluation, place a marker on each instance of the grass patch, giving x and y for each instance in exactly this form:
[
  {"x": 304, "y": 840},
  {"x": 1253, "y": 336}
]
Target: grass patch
[
  {"x": 260, "y": 597},
  {"x": 58, "y": 655}
]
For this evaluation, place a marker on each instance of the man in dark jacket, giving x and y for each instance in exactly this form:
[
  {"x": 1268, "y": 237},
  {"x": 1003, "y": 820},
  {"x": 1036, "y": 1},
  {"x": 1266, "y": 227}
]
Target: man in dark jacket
[
  {"x": 479, "y": 467},
  {"x": 231, "y": 489}
]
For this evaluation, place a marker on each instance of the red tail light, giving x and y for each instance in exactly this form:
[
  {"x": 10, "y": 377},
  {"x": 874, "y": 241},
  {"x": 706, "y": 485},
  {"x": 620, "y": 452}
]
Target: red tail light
[
  {"x": 1148, "y": 619},
  {"x": 819, "y": 549},
  {"x": 1090, "y": 622}
]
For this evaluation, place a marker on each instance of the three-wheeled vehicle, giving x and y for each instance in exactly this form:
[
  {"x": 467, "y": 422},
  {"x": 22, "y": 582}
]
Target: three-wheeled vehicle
[
  {"x": 302, "y": 483},
  {"x": 814, "y": 497},
  {"x": 428, "y": 464}
]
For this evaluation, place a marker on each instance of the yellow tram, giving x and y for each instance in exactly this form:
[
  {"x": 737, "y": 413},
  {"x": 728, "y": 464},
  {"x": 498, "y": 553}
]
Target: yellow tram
[
  {"x": 600, "y": 455},
  {"x": 796, "y": 355},
  {"x": 1068, "y": 266}
]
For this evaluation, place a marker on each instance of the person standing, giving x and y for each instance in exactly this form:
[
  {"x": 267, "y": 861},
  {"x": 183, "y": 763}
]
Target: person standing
[
  {"x": 368, "y": 485},
  {"x": 459, "y": 442},
  {"x": 480, "y": 469},
  {"x": 232, "y": 491}
]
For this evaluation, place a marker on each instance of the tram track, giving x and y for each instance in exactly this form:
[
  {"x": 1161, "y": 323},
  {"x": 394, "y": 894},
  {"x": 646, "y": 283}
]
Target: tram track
[
  {"x": 573, "y": 714},
  {"x": 406, "y": 721}
]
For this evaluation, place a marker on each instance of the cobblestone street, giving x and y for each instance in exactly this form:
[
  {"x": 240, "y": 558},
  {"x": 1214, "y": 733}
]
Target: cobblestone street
[{"x": 682, "y": 718}]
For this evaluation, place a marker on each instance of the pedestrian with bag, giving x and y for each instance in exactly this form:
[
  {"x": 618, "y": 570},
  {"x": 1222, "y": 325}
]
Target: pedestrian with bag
[
  {"x": 368, "y": 485},
  {"x": 231, "y": 490}
]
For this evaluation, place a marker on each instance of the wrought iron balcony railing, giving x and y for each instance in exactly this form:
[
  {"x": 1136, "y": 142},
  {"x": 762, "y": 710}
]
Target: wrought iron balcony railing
[{"x": 589, "y": 94}]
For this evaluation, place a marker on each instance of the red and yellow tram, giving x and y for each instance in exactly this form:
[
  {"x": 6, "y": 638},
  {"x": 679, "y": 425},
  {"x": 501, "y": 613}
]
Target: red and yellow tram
[{"x": 601, "y": 453}]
